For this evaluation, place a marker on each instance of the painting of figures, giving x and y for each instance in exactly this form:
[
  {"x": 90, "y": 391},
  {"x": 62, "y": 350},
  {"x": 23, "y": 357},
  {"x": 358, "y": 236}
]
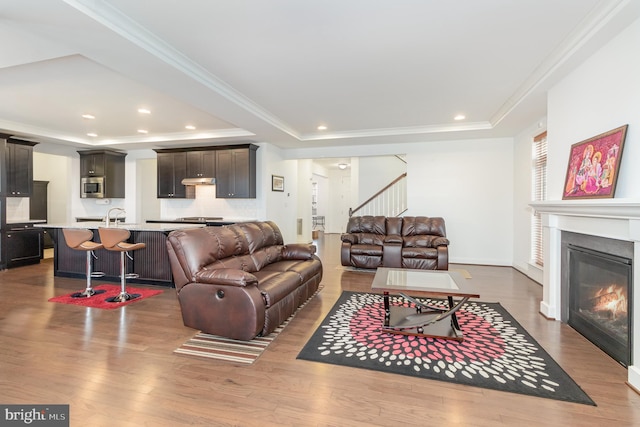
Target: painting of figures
[{"x": 593, "y": 166}]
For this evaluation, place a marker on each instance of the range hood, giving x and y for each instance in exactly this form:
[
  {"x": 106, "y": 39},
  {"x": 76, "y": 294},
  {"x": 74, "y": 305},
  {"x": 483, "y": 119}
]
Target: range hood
[{"x": 198, "y": 181}]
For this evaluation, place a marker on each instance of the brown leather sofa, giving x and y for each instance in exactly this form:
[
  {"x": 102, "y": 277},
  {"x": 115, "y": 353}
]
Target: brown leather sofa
[
  {"x": 240, "y": 281},
  {"x": 416, "y": 242}
]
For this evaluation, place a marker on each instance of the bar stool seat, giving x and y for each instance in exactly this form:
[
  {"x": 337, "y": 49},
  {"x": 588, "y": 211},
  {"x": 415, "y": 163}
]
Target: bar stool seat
[
  {"x": 114, "y": 239},
  {"x": 80, "y": 240}
]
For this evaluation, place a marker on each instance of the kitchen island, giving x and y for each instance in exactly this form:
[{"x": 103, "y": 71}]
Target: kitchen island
[{"x": 151, "y": 263}]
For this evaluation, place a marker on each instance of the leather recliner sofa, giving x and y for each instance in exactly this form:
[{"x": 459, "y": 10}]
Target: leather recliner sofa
[
  {"x": 416, "y": 242},
  {"x": 240, "y": 281}
]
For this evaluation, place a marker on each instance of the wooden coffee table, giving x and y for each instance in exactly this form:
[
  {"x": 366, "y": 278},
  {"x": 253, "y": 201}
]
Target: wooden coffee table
[{"x": 423, "y": 319}]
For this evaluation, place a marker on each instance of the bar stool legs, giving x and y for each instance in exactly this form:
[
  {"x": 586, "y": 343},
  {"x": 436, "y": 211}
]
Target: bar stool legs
[
  {"x": 89, "y": 291},
  {"x": 80, "y": 239},
  {"x": 114, "y": 239},
  {"x": 124, "y": 295}
]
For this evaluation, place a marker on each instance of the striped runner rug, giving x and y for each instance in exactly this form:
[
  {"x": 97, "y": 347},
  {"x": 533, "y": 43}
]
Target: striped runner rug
[{"x": 221, "y": 348}]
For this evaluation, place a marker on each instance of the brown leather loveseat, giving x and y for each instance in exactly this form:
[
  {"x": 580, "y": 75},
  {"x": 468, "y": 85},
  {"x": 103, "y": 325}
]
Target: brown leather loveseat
[
  {"x": 240, "y": 281},
  {"x": 416, "y": 242}
]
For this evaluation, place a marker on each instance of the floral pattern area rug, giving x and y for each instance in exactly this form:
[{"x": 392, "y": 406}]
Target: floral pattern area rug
[{"x": 496, "y": 353}]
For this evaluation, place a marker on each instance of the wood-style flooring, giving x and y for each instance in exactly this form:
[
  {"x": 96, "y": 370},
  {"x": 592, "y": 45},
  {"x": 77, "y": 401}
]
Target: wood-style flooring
[{"x": 117, "y": 367}]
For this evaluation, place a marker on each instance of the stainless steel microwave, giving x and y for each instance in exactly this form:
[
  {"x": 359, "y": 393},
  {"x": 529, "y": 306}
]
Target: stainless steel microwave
[{"x": 92, "y": 187}]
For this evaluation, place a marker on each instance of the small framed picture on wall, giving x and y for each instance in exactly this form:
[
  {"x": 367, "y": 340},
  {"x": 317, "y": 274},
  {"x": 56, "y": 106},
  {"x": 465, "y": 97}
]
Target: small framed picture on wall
[{"x": 277, "y": 183}]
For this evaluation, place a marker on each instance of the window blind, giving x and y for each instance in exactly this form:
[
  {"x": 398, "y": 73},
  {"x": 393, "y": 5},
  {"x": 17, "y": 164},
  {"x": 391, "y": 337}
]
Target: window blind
[{"x": 539, "y": 192}]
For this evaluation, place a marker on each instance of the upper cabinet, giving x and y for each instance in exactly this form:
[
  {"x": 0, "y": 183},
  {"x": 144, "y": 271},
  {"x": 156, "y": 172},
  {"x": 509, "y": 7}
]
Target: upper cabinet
[
  {"x": 201, "y": 164},
  {"x": 19, "y": 163},
  {"x": 232, "y": 166},
  {"x": 108, "y": 164},
  {"x": 236, "y": 172},
  {"x": 172, "y": 169}
]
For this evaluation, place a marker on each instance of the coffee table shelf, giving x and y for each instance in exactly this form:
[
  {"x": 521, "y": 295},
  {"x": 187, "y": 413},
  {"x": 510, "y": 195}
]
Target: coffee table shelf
[{"x": 423, "y": 319}]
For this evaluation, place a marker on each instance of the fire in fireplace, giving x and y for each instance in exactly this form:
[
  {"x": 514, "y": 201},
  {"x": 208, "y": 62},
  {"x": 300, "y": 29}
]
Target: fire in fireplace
[{"x": 599, "y": 294}]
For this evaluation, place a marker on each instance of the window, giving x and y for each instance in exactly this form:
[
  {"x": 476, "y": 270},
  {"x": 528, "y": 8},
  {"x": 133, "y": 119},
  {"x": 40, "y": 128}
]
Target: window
[{"x": 539, "y": 192}]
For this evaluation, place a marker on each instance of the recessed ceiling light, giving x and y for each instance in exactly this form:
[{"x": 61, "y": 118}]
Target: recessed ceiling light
[
  {"x": 143, "y": 111},
  {"x": 88, "y": 116},
  {"x": 322, "y": 127},
  {"x": 460, "y": 117},
  {"x": 92, "y": 134},
  {"x": 143, "y": 131},
  {"x": 190, "y": 127}
]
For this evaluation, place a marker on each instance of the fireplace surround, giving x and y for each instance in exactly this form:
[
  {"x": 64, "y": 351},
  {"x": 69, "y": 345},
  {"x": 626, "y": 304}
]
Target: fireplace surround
[{"x": 617, "y": 219}]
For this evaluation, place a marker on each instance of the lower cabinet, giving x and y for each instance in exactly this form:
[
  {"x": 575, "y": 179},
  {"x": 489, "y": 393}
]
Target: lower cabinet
[
  {"x": 151, "y": 264},
  {"x": 23, "y": 247}
]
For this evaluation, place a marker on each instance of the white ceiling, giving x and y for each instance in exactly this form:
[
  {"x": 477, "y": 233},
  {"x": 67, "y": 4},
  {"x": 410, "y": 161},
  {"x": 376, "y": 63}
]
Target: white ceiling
[{"x": 372, "y": 71}]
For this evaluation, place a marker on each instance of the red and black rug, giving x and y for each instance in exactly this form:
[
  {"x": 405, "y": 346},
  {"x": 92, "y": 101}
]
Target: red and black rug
[
  {"x": 497, "y": 353},
  {"x": 100, "y": 300}
]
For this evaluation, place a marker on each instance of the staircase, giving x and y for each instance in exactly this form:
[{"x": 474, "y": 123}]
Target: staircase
[{"x": 389, "y": 201}]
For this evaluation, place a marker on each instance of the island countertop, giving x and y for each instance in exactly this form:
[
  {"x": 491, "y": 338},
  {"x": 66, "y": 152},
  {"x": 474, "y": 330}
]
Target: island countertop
[{"x": 94, "y": 225}]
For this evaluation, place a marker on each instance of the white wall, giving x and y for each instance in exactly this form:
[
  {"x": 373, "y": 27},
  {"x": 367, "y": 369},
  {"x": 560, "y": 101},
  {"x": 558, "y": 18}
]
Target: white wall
[
  {"x": 600, "y": 95},
  {"x": 55, "y": 169},
  {"x": 282, "y": 207},
  {"x": 468, "y": 183}
]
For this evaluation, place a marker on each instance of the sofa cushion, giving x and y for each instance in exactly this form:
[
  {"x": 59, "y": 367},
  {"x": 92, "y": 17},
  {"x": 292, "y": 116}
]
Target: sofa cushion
[
  {"x": 267, "y": 255},
  {"x": 375, "y": 250},
  {"x": 417, "y": 225},
  {"x": 240, "y": 262},
  {"x": 367, "y": 224},
  {"x": 259, "y": 235},
  {"x": 276, "y": 285},
  {"x": 370, "y": 239},
  {"x": 426, "y": 253},
  {"x": 305, "y": 269}
]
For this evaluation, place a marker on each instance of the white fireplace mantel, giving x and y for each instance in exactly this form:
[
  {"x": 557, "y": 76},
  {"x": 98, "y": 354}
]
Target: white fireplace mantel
[
  {"x": 597, "y": 208},
  {"x": 612, "y": 218}
]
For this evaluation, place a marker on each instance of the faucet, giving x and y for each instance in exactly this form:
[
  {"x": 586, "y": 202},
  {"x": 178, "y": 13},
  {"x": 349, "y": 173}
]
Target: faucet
[{"x": 107, "y": 219}]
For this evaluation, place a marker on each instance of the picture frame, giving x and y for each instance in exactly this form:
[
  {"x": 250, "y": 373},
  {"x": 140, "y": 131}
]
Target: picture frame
[
  {"x": 592, "y": 170},
  {"x": 277, "y": 183}
]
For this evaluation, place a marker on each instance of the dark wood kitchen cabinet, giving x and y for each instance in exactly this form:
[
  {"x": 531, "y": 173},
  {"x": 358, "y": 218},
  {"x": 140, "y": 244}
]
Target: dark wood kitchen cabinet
[
  {"x": 23, "y": 246},
  {"x": 19, "y": 162},
  {"x": 101, "y": 163},
  {"x": 172, "y": 169},
  {"x": 236, "y": 172},
  {"x": 201, "y": 164},
  {"x": 108, "y": 164},
  {"x": 92, "y": 164}
]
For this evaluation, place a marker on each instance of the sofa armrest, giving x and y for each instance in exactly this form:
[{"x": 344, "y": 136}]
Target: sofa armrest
[
  {"x": 440, "y": 241},
  {"x": 298, "y": 251},
  {"x": 226, "y": 276},
  {"x": 349, "y": 238},
  {"x": 393, "y": 238}
]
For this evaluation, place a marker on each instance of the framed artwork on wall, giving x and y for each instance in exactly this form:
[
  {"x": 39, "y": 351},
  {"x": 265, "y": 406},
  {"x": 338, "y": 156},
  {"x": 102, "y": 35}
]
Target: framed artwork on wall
[
  {"x": 592, "y": 171},
  {"x": 277, "y": 183}
]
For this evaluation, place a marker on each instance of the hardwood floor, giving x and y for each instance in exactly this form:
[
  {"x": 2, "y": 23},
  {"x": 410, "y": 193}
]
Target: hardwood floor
[{"x": 117, "y": 367}]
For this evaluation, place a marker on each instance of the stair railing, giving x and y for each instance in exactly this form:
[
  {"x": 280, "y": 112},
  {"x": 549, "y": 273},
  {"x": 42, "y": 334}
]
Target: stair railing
[{"x": 389, "y": 201}]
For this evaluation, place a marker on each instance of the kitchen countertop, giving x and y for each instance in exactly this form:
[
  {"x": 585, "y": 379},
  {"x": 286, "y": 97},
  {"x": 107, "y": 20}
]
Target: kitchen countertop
[
  {"x": 26, "y": 221},
  {"x": 202, "y": 220},
  {"x": 127, "y": 226}
]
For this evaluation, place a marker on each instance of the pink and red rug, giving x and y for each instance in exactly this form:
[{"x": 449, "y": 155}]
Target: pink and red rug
[
  {"x": 497, "y": 352},
  {"x": 99, "y": 300}
]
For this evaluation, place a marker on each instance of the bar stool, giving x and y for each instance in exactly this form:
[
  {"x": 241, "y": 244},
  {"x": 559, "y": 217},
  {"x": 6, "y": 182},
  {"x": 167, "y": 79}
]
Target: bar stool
[
  {"x": 80, "y": 240},
  {"x": 113, "y": 239}
]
